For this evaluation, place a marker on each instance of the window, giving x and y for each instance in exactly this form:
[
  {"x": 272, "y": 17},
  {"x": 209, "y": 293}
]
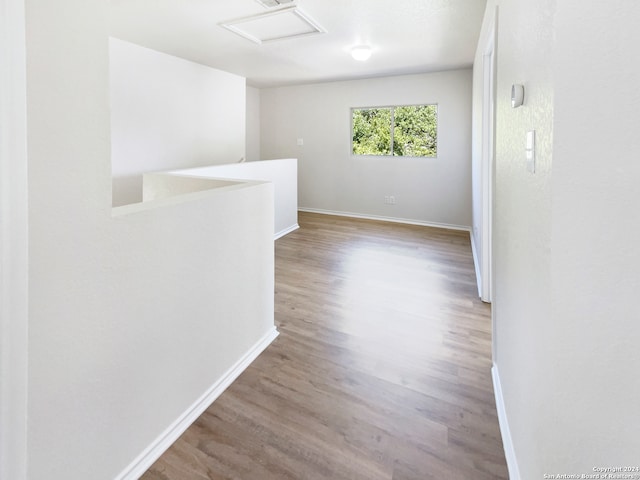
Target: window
[{"x": 404, "y": 131}]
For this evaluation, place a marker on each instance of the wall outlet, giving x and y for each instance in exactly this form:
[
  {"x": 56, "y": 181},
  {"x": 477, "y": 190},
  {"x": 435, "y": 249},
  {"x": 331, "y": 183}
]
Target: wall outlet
[{"x": 389, "y": 200}]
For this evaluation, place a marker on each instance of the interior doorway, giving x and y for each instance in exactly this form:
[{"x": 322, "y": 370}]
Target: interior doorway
[{"x": 487, "y": 167}]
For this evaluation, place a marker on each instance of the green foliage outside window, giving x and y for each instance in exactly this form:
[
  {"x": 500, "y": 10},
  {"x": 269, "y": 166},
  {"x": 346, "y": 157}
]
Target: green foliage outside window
[
  {"x": 409, "y": 131},
  {"x": 372, "y": 131}
]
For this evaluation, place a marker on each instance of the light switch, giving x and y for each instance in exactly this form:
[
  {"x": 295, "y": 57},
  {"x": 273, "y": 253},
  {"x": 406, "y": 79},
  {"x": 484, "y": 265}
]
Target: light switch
[
  {"x": 301, "y": 141},
  {"x": 530, "y": 151}
]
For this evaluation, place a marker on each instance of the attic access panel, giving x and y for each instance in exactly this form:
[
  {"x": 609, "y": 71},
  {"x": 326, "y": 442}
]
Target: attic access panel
[
  {"x": 273, "y": 3},
  {"x": 271, "y": 26}
]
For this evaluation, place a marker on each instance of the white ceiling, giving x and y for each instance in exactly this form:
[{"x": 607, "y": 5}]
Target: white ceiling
[{"x": 407, "y": 36}]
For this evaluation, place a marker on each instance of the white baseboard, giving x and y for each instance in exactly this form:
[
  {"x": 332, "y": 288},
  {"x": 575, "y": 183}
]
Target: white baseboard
[
  {"x": 386, "y": 219},
  {"x": 476, "y": 263},
  {"x": 283, "y": 232},
  {"x": 142, "y": 463},
  {"x": 507, "y": 442}
]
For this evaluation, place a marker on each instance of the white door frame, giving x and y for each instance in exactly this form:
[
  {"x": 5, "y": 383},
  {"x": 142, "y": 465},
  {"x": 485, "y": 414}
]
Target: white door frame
[
  {"x": 13, "y": 242},
  {"x": 487, "y": 165},
  {"x": 487, "y": 171}
]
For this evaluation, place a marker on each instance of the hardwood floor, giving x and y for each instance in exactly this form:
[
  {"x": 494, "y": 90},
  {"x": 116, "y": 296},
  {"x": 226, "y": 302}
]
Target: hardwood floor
[{"x": 381, "y": 370}]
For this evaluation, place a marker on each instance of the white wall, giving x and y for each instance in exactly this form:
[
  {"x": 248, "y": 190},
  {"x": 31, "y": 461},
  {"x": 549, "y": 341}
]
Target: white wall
[
  {"x": 566, "y": 238},
  {"x": 166, "y": 185},
  {"x": 427, "y": 190},
  {"x": 135, "y": 313},
  {"x": 13, "y": 243},
  {"x": 252, "y": 146},
  {"x": 283, "y": 173},
  {"x": 521, "y": 233},
  {"x": 169, "y": 113},
  {"x": 595, "y": 254}
]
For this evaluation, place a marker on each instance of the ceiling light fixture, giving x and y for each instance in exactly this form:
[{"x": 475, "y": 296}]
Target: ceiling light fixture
[{"x": 361, "y": 53}]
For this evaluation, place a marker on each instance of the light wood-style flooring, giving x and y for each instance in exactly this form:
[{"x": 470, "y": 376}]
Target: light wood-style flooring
[{"x": 381, "y": 370}]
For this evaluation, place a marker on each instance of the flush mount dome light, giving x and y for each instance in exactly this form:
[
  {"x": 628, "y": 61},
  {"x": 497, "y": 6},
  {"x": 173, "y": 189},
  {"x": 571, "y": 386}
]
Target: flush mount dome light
[{"x": 361, "y": 53}]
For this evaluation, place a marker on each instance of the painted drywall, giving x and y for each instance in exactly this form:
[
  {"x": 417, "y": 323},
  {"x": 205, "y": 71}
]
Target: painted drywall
[
  {"x": 566, "y": 237},
  {"x": 595, "y": 251},
  {"x": 283, "y": 173},
  {"x": 134, "y": 312},
  {"x": 169, "y": 113},
  {"x": 427, "y": 190},
  {"x": 252, "y": 146},
  {"x": 166, "y": 185},
  {"x": 521, "y": 233},
  {"x": 13, "y": 243}
]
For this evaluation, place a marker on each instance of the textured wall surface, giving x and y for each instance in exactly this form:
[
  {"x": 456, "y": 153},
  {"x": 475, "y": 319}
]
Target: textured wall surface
[
  {"x": 595, "y": 250},
  {"x": 522, "y": 226},
  {"x": 14, "y": 261},
  {"x": 566, "y": 237}
]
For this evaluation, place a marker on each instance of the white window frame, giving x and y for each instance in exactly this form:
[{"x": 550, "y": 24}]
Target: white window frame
[{"x": 392, "y": 108}]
